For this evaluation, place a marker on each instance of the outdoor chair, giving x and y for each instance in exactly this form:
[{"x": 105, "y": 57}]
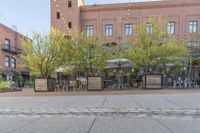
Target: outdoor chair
[
  {"x": 196, "y": 86},
  {"x": 72, "y": 85},
  {"x": 177, "y": 84},
  {"x": 185, "y": 84},
  {"x": 127, "y": 85},
  {"x": 65, "y": 86},
  {"x": 114, "y": 84},
  {"x": 58, "y": 87},
  {"x": 82, "y": 84}
]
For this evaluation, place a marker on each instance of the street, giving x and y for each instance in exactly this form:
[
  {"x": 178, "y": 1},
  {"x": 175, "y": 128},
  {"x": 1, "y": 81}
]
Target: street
[{"x": 146, "y": 113}]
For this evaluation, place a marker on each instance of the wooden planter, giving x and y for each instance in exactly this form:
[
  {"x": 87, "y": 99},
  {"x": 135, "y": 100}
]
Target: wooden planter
[
  {"x": 44, "y": 85},
  {"x": 95, "y": 84},
  {"x": 152, "y": 81}
]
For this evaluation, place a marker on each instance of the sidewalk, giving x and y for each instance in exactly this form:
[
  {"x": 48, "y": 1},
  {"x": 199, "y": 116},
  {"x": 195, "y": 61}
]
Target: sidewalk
[
  {"x": 30, "y": 92},
  {"x": 98, "y": 113}
]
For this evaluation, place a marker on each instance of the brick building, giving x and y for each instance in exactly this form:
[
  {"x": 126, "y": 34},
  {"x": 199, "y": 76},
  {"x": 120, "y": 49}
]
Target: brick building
[
  {"x": 116, "y": 20},
  {"x": 10, "y": 61}
]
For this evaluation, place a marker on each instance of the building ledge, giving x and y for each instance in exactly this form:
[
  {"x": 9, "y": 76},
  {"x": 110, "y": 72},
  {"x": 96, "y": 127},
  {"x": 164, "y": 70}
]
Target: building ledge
[
  {"x": 13, "y": 50},
  {"x": 139, "y": 5}
]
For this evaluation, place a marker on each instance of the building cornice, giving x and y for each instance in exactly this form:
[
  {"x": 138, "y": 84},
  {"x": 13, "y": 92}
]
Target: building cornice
[
  {"x": 10, "y": 29},
  {"x": 139, "y": 5}
]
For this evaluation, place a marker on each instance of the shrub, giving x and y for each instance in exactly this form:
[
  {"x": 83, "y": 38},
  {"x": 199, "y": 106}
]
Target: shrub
[
  {"x": 1, "y": 78},
  {"x": 19, "y": 78},
  {"x": 28, "y": 83},
  {"x": 5, "y": 85}
]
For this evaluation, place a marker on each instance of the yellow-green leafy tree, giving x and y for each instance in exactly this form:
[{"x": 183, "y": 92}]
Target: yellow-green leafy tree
[
  {"x": 153, "y": 50},
  {"x": 44, "y": 53},
  {"x": 88, "y": 53}
]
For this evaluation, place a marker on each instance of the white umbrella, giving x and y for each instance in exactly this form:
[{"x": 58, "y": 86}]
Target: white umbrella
[
  {"x": 119, "y": 63},
  {"x": 110, "y": 66},
  {"x": 59, "y": 70},
  {"x": 62, "y": 69}
]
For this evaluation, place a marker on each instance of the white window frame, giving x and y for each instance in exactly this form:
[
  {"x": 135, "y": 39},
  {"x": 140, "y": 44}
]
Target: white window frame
[
  {"x": 109, "y": 30},
  {"x": 12, "y": 62},
  {"x": 171, "y": 27},
  {"x": 7, "y": 44},
  {"x": 128, "y": 29},
  {"x": 7, "y": 61},
  {"x": 193, "y": 26},
  {"x": 89, "y": 30}
]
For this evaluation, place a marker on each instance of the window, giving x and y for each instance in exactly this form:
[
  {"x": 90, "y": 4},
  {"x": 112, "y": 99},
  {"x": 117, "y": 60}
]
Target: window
[
  {"x": 193, "y": 26},
  {"x": 69, "y": 25},
  {"x": 69, "y": 3},
  {"x": 7, "y": 44},
  {"x": 12, "y": 62},
  {"x": 7, "y": 61},
  {"x": 149, "y": 28},
  {"x": 109, "y": 30},
  {"x": 192, "y": 44},
  {"x": 171, "y": 28},
  {"x": 89, "y": 30},
  {"x": 128, "y": 29},
  {"x": 58, "y": 15}
]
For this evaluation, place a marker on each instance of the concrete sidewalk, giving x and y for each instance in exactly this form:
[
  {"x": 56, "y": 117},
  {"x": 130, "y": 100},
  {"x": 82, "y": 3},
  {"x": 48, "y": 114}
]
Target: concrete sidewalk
[
  {"x": 30, "y": 92},
  {"x": 143, "y": 113}
]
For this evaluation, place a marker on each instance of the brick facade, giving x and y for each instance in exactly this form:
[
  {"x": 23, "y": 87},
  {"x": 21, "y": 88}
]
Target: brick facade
[
  {"x": 11, "y": 52},
  {"x": 181, "y": 12}
]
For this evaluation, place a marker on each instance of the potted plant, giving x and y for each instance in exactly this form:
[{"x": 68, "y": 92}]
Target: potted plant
[{"x": 95, "y": 83}]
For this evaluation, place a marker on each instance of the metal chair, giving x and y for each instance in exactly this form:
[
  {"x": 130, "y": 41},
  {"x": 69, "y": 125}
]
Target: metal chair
[{"x": 65, "y": 86}]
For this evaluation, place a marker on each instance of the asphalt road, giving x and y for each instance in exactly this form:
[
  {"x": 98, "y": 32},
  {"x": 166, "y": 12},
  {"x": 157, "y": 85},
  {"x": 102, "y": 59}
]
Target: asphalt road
[{"x": 151, "y": 113}]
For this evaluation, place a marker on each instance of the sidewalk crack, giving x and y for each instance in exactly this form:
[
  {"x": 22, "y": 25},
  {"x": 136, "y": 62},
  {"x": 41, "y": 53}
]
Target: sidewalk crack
[
  {"x": 104, "y": 100},
  {"x": 137, "y": 102},
  {"x": 165, "y": 126},
  {"x": 91, "y": 126}
]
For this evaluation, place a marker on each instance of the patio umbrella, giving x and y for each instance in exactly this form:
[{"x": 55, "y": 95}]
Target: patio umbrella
[
  {"x": 119, "y": 63},
  {"x": 59, "y": 70},
  {"x": 62, "y": 69},
  {"x": 112, "y": 66}
]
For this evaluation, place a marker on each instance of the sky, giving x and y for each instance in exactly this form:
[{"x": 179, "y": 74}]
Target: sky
[{"x": 34, "y": 15}]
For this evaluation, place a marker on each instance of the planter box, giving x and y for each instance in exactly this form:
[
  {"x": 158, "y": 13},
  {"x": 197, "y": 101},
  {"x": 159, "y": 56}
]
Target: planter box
[
  {"x": 152, "y": 81},
  {"x": 44, "y": 85},
  {"x": 95, "y": 84}
]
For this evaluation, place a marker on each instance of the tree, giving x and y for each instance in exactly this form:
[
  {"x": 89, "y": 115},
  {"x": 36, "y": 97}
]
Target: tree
[
  {"x": 152, "y": 51},
  {"x": 45, "y": 53},
  {"x": 89, "y": 54}
]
